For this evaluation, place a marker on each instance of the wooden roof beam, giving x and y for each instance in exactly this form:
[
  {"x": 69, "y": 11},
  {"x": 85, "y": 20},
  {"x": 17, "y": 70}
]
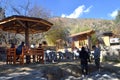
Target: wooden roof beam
[{"x": 21, "y": 23}]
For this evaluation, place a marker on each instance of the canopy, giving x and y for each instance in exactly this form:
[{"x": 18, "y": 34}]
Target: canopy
[{"x": 25, "y": 25}]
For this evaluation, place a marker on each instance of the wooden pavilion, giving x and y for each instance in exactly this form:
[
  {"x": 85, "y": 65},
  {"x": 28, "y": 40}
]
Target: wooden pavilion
[{"x": 24, "y": 25}]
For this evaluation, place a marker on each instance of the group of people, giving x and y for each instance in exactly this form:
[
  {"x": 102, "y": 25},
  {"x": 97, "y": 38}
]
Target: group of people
[
  {"x": 19, "y": 48},
  {"x": 85, "y": 58},
  {"x": 84, "y": 55}
]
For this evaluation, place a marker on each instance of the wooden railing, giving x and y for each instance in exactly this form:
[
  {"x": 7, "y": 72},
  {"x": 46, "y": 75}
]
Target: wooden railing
[{"x": 37, "y": 54}]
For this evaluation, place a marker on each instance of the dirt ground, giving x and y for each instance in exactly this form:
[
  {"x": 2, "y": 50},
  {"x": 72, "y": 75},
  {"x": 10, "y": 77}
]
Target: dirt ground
[{"x": 54, "y": 71}]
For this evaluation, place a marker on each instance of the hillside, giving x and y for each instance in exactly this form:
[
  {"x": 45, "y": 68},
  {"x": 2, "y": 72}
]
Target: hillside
[{"x": 78, "y": 25}]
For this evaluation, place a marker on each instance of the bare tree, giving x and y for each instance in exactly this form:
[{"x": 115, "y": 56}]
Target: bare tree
[
  {"x": 25, "y": 10},
  {"x": 21, "y": 9},
  {"x": 39, "y": 12},
  {"x": 35, "y": 11},
  {"x": 2, "y": 13},
  {"x": 117, "y": 24}
]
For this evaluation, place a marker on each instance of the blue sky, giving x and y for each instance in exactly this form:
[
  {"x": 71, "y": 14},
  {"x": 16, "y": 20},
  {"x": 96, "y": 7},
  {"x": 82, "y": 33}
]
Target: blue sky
[{"x": 104, "y": 9}]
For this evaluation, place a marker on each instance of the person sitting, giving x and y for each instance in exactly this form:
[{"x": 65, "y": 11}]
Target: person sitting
[
  {"x": 12, "y": 45},
  {"x": 40, "y": 53},
  {"x": 40, "y": 45},
  {"x": 19, "y": 49}
]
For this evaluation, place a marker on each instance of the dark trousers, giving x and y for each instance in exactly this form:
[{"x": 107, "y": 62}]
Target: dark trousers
[
  {"x": 84, "y": 67},
  {"x": 97, "y": 63}
]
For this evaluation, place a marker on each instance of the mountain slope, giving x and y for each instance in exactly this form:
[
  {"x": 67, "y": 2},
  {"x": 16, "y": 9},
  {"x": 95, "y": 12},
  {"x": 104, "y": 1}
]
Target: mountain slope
[{"x": 84, "y": 24}]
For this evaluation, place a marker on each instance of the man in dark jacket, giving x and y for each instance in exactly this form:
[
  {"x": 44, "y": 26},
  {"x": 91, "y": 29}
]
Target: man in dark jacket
[
  {"x": 84, "y": 58},
  {"x": 96, "y": 56},
  {"x": 19, "y": 50}
]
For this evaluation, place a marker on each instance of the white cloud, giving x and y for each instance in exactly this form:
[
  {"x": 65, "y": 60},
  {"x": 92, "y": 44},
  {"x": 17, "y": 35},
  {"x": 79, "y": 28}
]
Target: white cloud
[
  {"x": 63, "y": 15},
  {"x": 114, "y": 13},
  {"x": 88, "y": 9},
  {"x": 77, "y": 12}
]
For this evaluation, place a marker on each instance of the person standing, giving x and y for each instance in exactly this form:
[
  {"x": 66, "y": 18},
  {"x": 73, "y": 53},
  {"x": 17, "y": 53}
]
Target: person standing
[
  {"x": 19, "y": 49},
  {"x": 96, "y": 56},
  {"x": 84, "y": 58}
]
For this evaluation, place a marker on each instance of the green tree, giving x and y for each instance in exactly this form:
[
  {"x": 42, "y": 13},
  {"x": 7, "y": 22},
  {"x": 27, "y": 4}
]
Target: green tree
[
  {"x": 94, "y": 39},
  {"x": 58, "y": 31}
]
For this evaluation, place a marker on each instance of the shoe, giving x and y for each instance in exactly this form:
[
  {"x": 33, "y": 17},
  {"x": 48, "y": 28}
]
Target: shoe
[
  {"x": 83, "y": 76},
  {"x": 86, "y": 76},
  {"x": 98, "y": 70}
]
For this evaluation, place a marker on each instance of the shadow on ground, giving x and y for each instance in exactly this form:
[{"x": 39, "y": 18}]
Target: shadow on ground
[{"x": 56, "y": 71}]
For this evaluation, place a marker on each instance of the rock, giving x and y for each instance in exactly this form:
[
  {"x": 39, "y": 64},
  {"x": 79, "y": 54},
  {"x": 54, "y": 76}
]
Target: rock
[{"x": 53, "y": 73}]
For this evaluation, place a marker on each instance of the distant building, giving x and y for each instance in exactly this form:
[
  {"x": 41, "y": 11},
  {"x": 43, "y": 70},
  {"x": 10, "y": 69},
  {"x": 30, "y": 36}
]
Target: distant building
[
  {"x": 82, "y": 39},
  {"x": 77, "y": 40},
  {"x": 111, "y": 40},
  {"x": 112, "y": 44}
]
